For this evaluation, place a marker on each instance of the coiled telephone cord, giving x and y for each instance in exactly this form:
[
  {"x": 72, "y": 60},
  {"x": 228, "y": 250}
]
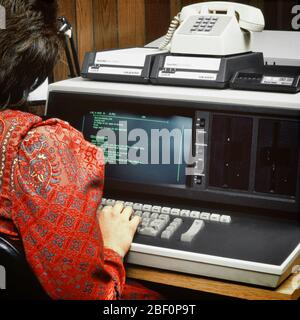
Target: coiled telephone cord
[{"x": 173, "y": 26}]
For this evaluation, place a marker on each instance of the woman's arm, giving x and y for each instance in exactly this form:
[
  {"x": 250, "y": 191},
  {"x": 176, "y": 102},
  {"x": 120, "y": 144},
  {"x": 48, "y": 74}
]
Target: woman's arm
[{"x": 57, "y": 180}]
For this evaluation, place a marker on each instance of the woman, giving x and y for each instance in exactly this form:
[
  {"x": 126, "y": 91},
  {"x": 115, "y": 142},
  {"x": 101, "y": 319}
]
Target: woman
[{"x": 51, "y": 179}]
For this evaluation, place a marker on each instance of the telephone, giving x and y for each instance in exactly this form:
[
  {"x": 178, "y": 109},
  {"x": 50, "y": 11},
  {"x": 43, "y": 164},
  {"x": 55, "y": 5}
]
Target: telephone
[{"x": 213, "y": 28}]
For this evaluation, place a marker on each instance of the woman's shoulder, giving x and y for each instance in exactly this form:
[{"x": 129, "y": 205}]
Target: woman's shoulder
[
  {"x": 17, "y": 119},
  {"x": 59, "y": 128},
  {"x": 61, "y": 135},
  {"x": 26, "y": 129},
  {"x": 21, "y": 125},
  {"x": 53, "y": 153},
  {"x": 29, "y": 123}
]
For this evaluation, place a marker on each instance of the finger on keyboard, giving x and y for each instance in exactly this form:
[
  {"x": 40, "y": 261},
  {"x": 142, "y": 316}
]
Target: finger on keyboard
[
  {"x": 117, "y": 209},
  {"x": 127, "y": 212}
]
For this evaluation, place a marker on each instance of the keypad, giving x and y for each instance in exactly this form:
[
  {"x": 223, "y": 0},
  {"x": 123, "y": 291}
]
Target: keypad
[
  {"x": 171, "y": 229},
  {"x": 204, "y": 24},
  {"x": 164, "y": 222}
]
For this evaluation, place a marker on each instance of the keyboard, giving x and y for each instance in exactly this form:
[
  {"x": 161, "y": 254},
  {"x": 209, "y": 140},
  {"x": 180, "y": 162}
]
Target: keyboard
[
  {"x": 163, "y": 222},
  {"x": 234, "y": 246}
]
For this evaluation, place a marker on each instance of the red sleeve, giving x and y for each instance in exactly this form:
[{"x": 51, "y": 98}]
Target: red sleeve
[{"x": 57, "y": 180}]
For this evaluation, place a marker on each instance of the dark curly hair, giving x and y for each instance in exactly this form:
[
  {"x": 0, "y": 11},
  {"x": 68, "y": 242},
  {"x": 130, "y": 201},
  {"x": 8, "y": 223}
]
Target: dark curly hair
[{"x": 28, "y": 47}]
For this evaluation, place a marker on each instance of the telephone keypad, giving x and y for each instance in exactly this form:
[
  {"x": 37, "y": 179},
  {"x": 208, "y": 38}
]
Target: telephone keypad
[{"x": 204, "y": 24}]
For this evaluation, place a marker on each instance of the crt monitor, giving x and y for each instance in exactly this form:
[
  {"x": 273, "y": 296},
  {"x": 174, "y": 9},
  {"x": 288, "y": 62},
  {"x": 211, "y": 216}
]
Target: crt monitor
[{"x": 141, "y": 148}]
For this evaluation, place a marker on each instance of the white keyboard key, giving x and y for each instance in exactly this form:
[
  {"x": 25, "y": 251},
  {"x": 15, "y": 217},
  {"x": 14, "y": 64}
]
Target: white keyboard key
[
  {"x": 128, "y": 204},
  {"x": 156, "y": 209},
  {"x": 185, "y": 213},
  {"x": 157, "y": 222},
  {"x": 157, "y": 225},
  {"x": 178, "y": 222},
  {"x": 146, "y": 215},
  {"x": 146, "y": 220},
  {"x": 175, "y": 212},
  {"x": 148, "y": 231},
  {"x": 154, "y": 215},
  {"x": 110, "y": 202},
  {"x": 147, "y": 207},
  {"x": 167, "y": 234},
  {"x": 225, "y": 219},
  {"x": 169, "y": 231},
  {"x": 174, "y": 225},
  {"x": 145, "y": 223},
  {"x": 171, "y": 228},
  {"x": 137, "y": 206},
  {"x": 166, "y": 210},
  {"x": 205, "y": 216},
  {"x": 215, "y": 217},
  {"x": 193, "y": 231},
  {"x": 195, "y": 214},
  {"x": 138, "y": 213},
  {"x": 164, "y": 217}
]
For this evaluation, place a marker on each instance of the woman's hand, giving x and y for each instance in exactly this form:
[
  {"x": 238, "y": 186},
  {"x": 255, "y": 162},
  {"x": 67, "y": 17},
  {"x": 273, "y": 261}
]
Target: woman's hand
[{"x": 117, "y": 228}]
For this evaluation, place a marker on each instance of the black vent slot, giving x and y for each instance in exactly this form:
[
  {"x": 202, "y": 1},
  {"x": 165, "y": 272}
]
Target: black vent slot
[
  {"x": 277, "y": 157},
  {"x": 231, "y": 143}
]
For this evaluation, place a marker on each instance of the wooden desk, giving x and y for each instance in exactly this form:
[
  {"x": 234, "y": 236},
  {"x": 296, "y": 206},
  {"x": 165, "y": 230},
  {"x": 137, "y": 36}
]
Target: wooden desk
[{"x": 289, "y": 290}]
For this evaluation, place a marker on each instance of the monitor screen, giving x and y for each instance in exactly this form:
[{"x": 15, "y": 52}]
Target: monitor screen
[{"x": 141, "y": 148}]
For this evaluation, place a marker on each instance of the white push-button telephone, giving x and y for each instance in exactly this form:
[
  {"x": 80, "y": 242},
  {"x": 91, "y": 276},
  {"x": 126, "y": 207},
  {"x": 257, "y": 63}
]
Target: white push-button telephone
[{"x": 213, "y": 28}]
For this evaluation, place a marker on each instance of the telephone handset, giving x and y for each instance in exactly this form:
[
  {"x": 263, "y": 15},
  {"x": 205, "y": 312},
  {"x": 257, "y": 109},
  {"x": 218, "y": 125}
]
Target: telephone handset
[{"x": 213, "y": 28}]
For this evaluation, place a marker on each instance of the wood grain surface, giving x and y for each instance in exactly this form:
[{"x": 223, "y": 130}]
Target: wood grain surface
[{"x": 289, "y": 290}]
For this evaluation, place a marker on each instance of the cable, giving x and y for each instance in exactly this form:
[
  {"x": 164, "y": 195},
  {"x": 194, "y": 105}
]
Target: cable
[
  {"x": 173, "y": 26},
  {"x": 71, "y": 53}
]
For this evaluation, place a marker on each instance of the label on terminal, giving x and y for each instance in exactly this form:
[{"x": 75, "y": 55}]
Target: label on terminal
[
  {"x": 117, "y": 71},
  {"x": 189, "y": 75},
  {"x": 281, "y": 81}
]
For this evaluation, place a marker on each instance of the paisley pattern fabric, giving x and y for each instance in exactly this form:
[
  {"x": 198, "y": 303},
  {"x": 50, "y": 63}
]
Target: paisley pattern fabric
[{"x": 51, "y": 183}]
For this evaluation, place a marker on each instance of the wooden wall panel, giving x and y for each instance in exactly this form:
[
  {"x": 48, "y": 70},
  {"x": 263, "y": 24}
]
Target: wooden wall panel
[
  {"x": 85, "y": 24},
  {"x": 175, "y": 7},
  {"x": 278, "y": 13},
  {"x": 131, "y": 23},
  {"x": 157, "y": 18},
  {"x": 257, "y": 3},
  {"x": 105, "y": 24},
  {"x": 188, "y": 2}
]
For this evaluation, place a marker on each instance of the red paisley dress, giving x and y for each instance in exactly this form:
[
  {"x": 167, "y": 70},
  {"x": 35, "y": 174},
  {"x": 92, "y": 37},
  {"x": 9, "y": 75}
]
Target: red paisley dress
[{"x": 51, "y": 183}]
